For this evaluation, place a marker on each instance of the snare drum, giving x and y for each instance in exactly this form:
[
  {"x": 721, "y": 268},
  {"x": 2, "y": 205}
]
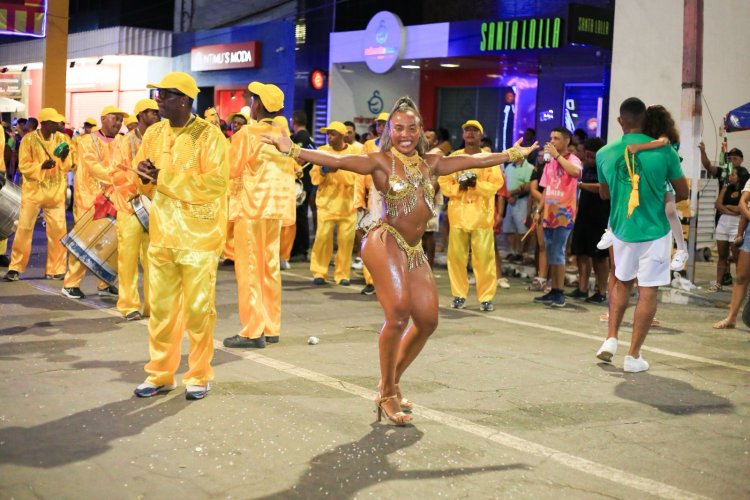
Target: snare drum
[
  {"x": 142, "y": 207},
  {"x": 10, "y": 207},
  {"x": 94, "y": 243}
]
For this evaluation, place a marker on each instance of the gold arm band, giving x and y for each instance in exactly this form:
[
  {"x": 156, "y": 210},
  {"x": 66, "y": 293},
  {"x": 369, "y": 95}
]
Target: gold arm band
[
  {"x": 294, "y": 151},
  {"x": 514, "y": 154}
]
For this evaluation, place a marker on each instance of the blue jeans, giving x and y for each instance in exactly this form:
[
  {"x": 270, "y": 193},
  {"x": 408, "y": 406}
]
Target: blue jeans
[{"x": 555, "y": 239}]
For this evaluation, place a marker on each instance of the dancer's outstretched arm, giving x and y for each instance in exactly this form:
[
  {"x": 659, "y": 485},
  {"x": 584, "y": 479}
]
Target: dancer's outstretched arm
[
  {"x": 448, "y": 164},
  {"x": 361, "y": 164}
]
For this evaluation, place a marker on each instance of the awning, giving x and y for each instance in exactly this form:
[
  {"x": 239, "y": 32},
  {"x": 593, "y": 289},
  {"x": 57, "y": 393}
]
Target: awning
[
  {"x": 738, "y": 119},
  {"x": 10, "y": 106}
]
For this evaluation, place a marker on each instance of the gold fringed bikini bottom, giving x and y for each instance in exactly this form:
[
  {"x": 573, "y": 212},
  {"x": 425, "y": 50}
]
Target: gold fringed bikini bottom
[{"x": 415, "y": 255}]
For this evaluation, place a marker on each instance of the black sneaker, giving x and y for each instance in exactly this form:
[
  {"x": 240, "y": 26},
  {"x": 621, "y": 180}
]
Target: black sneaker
[
  {"x": 577, "y": 294},
  {"x": 110, "y": 291},
  {"x": 243, "y": 342},
  {"x": 319, "y": 281},
  {"x": 726, "y": 280},
  {"x": 11, "y": 276},
  {"x": 368, "y": 290},
  {"x": 73, "y": 293},
  {"x": 56, "y": 277},
  {"x": 344, "y": 282},
  {"x": 272, "y": 339},
  {"x": 458, "y": 303},
  {"x": 597, "y": 298},
  {"x": 557, "y": 299},
  {"x": 486, "y": 306},
  {"x": 544, "y": 299},
  {"x": 133, "y": 316}
]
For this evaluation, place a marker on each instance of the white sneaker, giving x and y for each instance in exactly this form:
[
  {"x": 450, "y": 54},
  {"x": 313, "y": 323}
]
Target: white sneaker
[
  {"x": 606, "y": 240},
  {"x": 607, "y": 350},
  {"x": 635, "y": 365},
  {"x": 284, "y": 265},
  {"x": 679, "y": 260},
  {"x": 472, "y": 280},
  {"x": 357, "y": 263},
  {"x": 503, "y": 283}
]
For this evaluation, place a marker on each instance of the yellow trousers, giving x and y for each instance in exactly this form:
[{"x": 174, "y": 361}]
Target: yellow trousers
[
  {"x": 323, "y": 248},
  {"x": 3, "y": 246},
  {"x": 287, "y": 241},
  {"x": 132, "y": 245},
  {"x": 258, "y": 276},
  {"x": 229, "y": 245},
  {"x": 182, "y": 289},
  {"x": 482, "y": 260},
  {"x": 366, "y": 274},
  {"x": 76, "y": 269},
  {"x": 56, "y": 229}
]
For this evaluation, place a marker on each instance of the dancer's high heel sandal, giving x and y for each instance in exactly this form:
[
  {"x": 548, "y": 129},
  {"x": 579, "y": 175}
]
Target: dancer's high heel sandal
[
  {"x": 406, "y": 405},
  {"x": 399, "y": 418}
]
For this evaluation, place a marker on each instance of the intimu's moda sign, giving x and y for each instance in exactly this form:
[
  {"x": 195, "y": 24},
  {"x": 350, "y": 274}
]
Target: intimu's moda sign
[{"x": 225, "y": 56}]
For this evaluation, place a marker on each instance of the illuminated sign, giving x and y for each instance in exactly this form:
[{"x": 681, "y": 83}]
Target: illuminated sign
[
  {"x": 317, "y": 79},
  {"x": 383, "y": 42},
  {"x": 225, "y": 56},
  {"x": 23, "y": 17},
  {"x": 541, "y": 33},
  {"x": 590, "y": 25}
]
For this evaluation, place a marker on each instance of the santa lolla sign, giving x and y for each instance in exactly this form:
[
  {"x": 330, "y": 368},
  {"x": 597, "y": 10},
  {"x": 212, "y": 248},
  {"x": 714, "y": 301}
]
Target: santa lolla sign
[
  {"x": 225, "y": 56},
  {"x": 383, "y": 42}
]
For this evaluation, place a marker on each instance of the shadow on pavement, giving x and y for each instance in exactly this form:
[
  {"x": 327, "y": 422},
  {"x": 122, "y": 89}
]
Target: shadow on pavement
[
  {"x": 85, "y": 434},
  {"x": 50, "y": 350},
  {"x": 68, "y": 326},
  {"x": 668, "y": 395},
  {"x": 352, "y": 467},
  {"x": 45, "y": 301}
]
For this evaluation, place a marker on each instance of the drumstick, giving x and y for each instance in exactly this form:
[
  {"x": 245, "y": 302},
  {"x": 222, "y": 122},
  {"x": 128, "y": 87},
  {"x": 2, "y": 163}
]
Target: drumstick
[
  {"x": 533, "y": 226},
  {"x": 145, "y": 176}
]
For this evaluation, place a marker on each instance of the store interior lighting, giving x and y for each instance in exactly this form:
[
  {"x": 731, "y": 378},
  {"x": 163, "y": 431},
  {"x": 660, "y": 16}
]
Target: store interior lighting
[
  {"x": 449, "y": 65},
  {"x": 410, "y": 66}
]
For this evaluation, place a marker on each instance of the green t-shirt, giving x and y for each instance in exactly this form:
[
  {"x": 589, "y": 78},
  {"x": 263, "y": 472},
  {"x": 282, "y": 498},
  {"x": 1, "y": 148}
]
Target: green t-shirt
[{"x": 655, "y": 167}]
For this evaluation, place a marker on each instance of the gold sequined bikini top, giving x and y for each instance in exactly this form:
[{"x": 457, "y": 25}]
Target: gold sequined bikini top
[{"x": 402, "y": 193}]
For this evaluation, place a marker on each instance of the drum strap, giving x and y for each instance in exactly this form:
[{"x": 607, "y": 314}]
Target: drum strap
[{"x": 133, "y": 148}]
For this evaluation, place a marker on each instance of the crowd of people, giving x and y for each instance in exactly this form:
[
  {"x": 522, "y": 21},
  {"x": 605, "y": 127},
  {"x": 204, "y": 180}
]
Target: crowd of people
[{"x": 243, "y": 190}]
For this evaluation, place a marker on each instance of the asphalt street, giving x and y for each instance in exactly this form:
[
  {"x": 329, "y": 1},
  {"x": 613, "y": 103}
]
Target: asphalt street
[{"x": 510, "y": 404}]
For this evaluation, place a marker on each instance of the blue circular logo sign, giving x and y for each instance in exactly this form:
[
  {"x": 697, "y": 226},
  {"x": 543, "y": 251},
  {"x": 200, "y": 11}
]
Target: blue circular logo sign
[
  {"x": 375, "y": 103},
  {"x": 383, "y": 42}
]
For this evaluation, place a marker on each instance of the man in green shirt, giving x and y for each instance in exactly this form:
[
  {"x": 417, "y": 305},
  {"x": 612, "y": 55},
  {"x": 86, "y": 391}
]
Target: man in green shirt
[{"x": 642, "y": 243}]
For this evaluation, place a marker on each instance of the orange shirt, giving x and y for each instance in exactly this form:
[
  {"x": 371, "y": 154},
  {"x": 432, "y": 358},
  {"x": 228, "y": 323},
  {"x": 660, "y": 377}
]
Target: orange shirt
[
  {"x": 92, "y": 173},
  {"x": 127, "y": 184}
]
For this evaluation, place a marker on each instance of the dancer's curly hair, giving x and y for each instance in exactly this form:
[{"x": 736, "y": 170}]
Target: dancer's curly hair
[{"x": 659, "y": 122}]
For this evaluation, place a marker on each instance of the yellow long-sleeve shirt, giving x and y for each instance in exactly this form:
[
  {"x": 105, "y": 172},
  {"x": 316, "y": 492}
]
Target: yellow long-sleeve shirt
[
  {"x": 127, "y": 184},
  {"x": 267, "y": 176},
  {"x": 42, "y": 186},
  {"x": 95, "y": 155},
  {"x": 189, "y": 210},
  {"x": 472, "y": 208},
  {"x": 335, "y": 196}
]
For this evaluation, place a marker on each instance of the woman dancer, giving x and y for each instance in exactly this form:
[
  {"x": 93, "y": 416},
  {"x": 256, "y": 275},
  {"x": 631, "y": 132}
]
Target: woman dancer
[{"x": 406, "y": 178}]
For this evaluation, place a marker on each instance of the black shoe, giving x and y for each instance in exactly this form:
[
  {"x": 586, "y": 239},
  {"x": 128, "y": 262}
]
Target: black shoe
[
  {"x": 4, "y": 261},
  {"x": 272, "y": 339},
  {"x": 244, "y": 342},
  {"x": 344, "y": 282},
  {"x": 368, "y": 290},
  {"x": 726, "y": 280},
  {"x": 597, "y": 298},
  {"x": 11, "y": 276},
  {"x": 73, "y": 293},
  {"x": 227, "y": 262},
  {"x": 133, "y": 316},
  {"x": 458, "y": 303},
  {"x": 319, "y": 281},
  {"x": 577, "y": 294},
  {"x": 486, "y": 306},
  {"x": 544, "y": 299},
  {"x": 56, "y": 277},
  {"x": 110, "y": 291}
]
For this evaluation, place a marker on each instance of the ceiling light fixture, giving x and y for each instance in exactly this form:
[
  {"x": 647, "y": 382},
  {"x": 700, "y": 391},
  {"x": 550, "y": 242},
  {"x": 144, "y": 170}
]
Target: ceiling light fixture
[{"x": 449, "y": 65}]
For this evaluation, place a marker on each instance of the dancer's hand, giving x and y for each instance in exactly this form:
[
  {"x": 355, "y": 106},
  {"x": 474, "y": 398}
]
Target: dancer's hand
[
  {"x": 281, "y": 142},
  {"x": 526, "y": 150}
]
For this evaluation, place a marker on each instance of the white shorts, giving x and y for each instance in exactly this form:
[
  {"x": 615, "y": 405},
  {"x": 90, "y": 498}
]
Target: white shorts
[
  {"x": 646, "y": 260},
  {"x": 726, "y": 228}
]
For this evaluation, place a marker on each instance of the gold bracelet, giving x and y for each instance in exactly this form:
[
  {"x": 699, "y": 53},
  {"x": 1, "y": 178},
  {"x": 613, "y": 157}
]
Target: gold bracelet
[
  {"x": 514, "y": 154},
  {"x": 294, "y": 151}
]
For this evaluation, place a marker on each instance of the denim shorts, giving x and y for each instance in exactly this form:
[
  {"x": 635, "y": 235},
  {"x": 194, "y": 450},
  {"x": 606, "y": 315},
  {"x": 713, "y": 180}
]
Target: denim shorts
[
  {"x": 746, "y": 244},
  {"x": 556, "y": 239}
]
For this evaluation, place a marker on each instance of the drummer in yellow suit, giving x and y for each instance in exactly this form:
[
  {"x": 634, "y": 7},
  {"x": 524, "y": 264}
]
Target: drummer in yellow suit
[
  {"x": 44, "y": 186},
  {"x": 187, "y": 227},
  {"x": 368, "y": 197},
  {"x": 471, "y": 212},
  {"x": 238, "y": 120},
  {"x": 267, "y": 201},
  {"x": 132, "y": 237},
  {"x": 95, "y": 158},
  {"x": 335, "y": 204}
]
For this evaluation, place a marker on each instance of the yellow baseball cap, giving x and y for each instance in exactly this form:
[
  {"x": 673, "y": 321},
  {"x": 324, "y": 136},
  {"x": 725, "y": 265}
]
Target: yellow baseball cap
[
  {"x": 113, "y": 110},
  {"x": 49, "y": 115},
  {"x": 179, "y": 81},
  {"x": 473, "y": 123},
  {"x": 270, "y": 95},
  {"x": 130, "y": 120},
  {"x": 336, "y": 127},
  {"x": 383, "y": 117},
  {"x": 143, "y": 105},
  {"x": 90, "y": 121},
  {"x": 282, "y": 122}
]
